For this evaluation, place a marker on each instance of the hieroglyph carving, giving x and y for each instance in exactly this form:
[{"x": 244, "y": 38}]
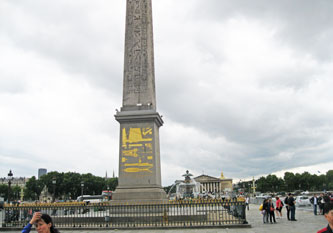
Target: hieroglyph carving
[
  {"x": 136, "y": 54},
  {"x": 137, "y": 150}
]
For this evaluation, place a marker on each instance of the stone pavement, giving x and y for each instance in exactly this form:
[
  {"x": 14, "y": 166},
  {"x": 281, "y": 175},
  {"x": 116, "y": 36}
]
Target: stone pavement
[{"x": 307, "y": 223}]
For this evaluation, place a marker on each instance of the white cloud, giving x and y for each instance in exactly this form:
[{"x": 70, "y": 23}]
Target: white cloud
[{"x": 240, "y": 91}]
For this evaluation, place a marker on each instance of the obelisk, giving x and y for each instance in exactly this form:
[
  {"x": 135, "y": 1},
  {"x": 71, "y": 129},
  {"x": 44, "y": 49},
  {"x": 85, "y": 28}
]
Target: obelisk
[{"x": 139, "y": 150}]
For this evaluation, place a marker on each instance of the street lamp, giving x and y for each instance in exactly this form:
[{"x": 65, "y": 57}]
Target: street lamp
[
  {"x": 82, "y": 186},
  {"x": 253, "y": 186},
  {"x": 239, "y": 185},
  {"x": 54, "y": 182},
  {"x": 10, "y": 177}
]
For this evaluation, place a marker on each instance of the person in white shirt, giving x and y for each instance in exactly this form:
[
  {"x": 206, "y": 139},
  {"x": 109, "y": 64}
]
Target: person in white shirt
[
  {"x": 314, "y": 202},
  {"x": 247, "y": 202}
]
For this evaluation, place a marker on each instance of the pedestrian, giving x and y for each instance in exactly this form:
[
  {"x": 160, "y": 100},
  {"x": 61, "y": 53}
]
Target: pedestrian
[
  {"x": 321, "y": 203},
  {"x": 327, "y": 198},
  {"x": 43, "y": 223},
  {"x": 265, "y": 211},
  {"x": 287, "y": 205},
  {"x": 328, "y": 213},
  {"x": 247, "y": 202},
  {"x": 314, "y": 202},
  {"x": 271, "y": 211},
  {"x": 291, "y": 204},
  {"x": 279, "y": 206}
]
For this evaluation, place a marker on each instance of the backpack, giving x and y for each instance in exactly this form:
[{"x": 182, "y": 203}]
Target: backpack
[
  {"x": 286, "y": 201},
  {"x": 291, "y": 201}
]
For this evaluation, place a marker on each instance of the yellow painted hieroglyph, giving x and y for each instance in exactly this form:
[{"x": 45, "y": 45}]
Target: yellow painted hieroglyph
[{"x": 137, "y": 150}]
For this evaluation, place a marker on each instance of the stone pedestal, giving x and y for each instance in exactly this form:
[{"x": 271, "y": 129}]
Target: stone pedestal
[
  {"x": 139, "y": 157},
  {"x": 139, "y": 195}
]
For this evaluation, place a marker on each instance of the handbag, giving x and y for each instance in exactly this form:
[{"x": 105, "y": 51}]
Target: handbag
[{"x": 261, "y": 207}]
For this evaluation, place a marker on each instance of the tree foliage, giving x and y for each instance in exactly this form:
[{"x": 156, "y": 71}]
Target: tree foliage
[
  {"x": 293, "y": 182},
  {"x": 68, "y": 185},
  {"x": 15, "y": 192}
]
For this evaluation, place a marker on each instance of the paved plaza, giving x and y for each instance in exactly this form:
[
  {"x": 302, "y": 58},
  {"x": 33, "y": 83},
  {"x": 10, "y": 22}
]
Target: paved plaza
[{"x": 307, "y": 223}]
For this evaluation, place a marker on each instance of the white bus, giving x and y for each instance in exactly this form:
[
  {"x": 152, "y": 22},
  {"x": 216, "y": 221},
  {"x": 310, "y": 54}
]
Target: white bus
[
  {"x": 90, "y": 198},
  {"x": 105, "y": 196}
]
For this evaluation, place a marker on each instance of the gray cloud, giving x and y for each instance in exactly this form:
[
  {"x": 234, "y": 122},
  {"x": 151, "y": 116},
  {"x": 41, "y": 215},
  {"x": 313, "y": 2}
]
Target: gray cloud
[
  {"x": 304, "y": 25},
  {"x": 243, "y": 86}
]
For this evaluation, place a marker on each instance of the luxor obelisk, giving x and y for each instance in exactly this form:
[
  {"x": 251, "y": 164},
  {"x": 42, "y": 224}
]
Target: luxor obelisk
[{"x": 139, "y": 150}]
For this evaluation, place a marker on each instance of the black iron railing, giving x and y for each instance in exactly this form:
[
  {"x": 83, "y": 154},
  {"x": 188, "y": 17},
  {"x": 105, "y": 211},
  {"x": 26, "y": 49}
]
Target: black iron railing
[{"x": 203, "y": 213}]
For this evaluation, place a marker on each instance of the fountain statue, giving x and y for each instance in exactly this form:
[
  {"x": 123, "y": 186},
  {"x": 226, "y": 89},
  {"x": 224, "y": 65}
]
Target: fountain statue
[{"x": 188, "y": 188}]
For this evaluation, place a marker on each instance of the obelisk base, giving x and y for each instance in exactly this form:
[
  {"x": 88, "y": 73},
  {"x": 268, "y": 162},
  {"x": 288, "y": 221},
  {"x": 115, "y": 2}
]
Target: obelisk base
[{"x": 149, "y": 194}]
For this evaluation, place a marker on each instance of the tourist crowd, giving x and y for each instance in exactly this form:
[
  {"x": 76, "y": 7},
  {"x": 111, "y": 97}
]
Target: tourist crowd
[{"x": 324, "y": 202}]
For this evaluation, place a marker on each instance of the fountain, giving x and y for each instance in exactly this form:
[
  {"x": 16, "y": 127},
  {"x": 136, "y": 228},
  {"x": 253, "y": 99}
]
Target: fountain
[{"x": 188, "y": 188}]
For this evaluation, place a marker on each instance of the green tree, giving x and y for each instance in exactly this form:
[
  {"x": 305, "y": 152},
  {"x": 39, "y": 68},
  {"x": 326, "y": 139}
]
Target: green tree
[
  {"x": 329, "y": 179},
  {"x": 68, "y": 185},
  {"x": 112, "y": 183},
  {"x": 314, "y": 182},
  {"x": 322, "y": 182},
  {"x": 290, "y": 181},
  {"x": 47, "y": 181},
  {"x": 16, "y": 193},
  {"x": 272, "y": 183},
  {"x": 71, "y": 185},
  {"x": 4, "y": 191},
  {"x": 297, "y": 181},
  {"x": 33, "y": 188},
  {"x": 305, "y": 181},
  {"x": 262, "y": 185}
]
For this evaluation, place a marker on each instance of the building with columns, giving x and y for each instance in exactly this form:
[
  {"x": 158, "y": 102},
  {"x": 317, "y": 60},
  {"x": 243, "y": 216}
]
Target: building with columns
[{"x": 210, "y": 184}]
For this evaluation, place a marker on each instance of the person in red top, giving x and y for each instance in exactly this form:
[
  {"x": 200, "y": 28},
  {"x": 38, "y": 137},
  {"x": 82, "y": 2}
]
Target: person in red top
[
  {"x": 328, "y": 212},
  {"x": 279, "y": 206}
]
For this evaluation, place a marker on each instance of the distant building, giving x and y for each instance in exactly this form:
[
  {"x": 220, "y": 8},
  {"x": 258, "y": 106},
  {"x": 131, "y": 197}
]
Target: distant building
[
  {"x": 41, "y": 172},
  {"x": 15, "y": 181},
  {"x": 213, "y": 184}
]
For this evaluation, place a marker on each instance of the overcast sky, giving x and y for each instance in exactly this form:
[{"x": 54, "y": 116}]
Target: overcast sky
[{"x": 244, "y": 87}]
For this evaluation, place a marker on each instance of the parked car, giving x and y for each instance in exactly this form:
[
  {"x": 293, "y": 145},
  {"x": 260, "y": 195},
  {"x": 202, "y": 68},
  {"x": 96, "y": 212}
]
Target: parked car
[
  {"x": 263, "y": 196},
  {"x": 302, "y": 201}
]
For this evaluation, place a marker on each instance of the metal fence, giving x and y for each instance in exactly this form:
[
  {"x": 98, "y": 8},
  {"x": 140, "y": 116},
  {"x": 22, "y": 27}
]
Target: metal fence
[{"x": 206, "y": 213}]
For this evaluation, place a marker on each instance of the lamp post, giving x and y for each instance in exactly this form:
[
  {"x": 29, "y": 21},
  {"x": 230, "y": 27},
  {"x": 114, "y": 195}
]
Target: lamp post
[
  {"x": 109, "y": 196},
  {"x": 82, "y": 186},
  {"x": 54, "y": 182},
  {"x": 253, "y": 186},
  {"x": 10, "y": 177},
  {"x": 239, "y": 186},
  {"x": 21, "y": 194}
]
